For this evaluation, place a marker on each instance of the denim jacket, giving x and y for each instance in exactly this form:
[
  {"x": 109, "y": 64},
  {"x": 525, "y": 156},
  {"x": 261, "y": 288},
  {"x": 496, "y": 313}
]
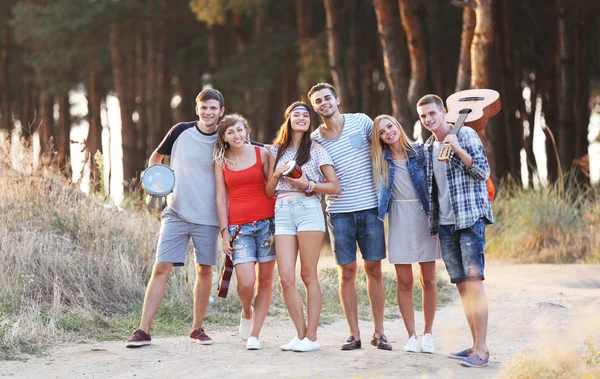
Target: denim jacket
[{"x": 416, "y": 168}]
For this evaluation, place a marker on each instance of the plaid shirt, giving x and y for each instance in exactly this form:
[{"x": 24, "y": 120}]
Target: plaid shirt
[{"x": 468, "y": 186}]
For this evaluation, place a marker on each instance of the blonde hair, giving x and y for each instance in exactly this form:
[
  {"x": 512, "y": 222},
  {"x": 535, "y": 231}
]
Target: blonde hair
[
  {"x": 221, "y": 146},
  {"x": 380, "y": 168}
]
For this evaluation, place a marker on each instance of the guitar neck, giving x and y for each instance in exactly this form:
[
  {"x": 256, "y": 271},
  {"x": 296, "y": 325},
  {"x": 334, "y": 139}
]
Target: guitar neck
[{"x": 459, "y": 123}]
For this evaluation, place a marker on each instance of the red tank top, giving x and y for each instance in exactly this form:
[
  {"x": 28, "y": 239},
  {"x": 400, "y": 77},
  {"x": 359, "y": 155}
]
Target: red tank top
[{"x": 248, "y": 200}]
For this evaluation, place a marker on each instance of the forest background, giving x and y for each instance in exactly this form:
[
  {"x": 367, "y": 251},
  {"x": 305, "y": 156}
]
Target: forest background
[
  {"x": 154, "y": 56},
  {"x": 135, "y": 67}
]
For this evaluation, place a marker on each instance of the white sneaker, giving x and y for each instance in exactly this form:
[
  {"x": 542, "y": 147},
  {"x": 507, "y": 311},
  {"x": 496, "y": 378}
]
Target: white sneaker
[
  {"x": 307, "y": 345},
  {"x": 291, "y": 345},
  {"x": 412, "y": 346},
  {"x": 427, "y": 344},
  {"x": 253, "y": 344},
  {"x": 245, "y": 326}
]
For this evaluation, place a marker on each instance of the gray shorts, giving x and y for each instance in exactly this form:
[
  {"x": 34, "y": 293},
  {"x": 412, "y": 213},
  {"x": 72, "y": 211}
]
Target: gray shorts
[{"x": 174, "y": 239}]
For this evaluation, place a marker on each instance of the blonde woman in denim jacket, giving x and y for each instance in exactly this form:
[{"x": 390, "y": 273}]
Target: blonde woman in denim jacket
[{"x": 399, "y": 175}]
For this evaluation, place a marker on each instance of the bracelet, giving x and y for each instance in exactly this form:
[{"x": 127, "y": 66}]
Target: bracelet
[
  {"x": 310, "y": 187},
  {"x": 222, "y": 230}
]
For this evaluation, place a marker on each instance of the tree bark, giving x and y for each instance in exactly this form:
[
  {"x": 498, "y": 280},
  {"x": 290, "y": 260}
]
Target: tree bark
[
  {"x": 63, "y": 133},
  {"x": 418, "y": 64},
  {"x": 566, "y": 99},
  {"x": 46, "y": 126},
  {"x": 480, "y": 62},
  {"x": 463, "y": 77},
  {"x": 94, "y": 138},
  {"x": 6, "y": 119},
  {"x": 335, "y": 43},
  {"x": 395, "y": 57},
  {"x": 128, "y": 132}
]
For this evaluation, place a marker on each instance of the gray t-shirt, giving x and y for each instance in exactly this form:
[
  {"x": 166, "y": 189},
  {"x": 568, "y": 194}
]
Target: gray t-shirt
[
  {"x": 191, "y": 151},
  {"x": 439, "y": 171}
]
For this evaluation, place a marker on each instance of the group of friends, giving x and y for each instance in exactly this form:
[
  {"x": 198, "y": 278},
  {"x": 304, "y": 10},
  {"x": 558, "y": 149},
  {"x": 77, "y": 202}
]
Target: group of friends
[{"x": 232, "y": 187}]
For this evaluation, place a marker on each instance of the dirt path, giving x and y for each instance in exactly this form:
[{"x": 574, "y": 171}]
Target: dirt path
[{"x": 530, "y": 306}]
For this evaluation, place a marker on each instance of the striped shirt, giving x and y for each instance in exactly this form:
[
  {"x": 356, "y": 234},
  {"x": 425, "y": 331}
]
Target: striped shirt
[
  {"x": 468, "y": 186},
  {"x": 351, "y": 157}
]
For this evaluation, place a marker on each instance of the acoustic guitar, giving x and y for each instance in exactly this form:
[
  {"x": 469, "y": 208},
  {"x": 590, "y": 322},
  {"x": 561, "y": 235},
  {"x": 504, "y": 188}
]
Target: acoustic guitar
[
  {"x": 225, "y": 278},
  {"x": 470, "y": 107}
]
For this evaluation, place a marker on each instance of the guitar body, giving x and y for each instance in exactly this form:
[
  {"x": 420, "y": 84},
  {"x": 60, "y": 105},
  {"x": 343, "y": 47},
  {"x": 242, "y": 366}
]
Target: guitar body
[
  {"x": 470, "y": 107},
  {"x": 225, "y": 278},
  {"x": 479, "y": 104}
]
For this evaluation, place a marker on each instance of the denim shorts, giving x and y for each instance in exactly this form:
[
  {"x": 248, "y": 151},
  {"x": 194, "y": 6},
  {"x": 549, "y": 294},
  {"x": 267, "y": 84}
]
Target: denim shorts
[
  {"x": 346, "y": 229},
  {"x": 301, "y": 214},
  {"x": 254, "y": 242},
  {"x": 462, "y": 251}
]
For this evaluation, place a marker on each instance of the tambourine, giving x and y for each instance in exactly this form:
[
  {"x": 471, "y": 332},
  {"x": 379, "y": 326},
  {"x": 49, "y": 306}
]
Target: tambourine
[
  {"x": 158, "y": 181},
  {"x": 293, "y": 170}
]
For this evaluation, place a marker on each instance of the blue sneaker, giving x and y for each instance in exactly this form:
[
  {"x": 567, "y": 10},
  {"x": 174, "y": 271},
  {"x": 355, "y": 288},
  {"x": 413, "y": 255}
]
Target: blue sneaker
[
  {"x": 461, "y": 354},
  {"x": 475, "y": 360}
]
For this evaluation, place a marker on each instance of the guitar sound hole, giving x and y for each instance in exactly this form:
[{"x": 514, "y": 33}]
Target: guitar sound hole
[{"x": 465, "y": 111}]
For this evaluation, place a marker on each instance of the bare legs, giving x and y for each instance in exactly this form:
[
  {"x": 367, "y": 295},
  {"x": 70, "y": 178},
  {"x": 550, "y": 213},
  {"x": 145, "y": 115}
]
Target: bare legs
[
  {"x": 155, "y": 292},
  {"x": 309, "y": 245},
  {"x": 404, "y": 276},
  {"x": 349, "y": 298},
  {"x": 475, "y": 305},
  {"x": 247, "y": 280}
]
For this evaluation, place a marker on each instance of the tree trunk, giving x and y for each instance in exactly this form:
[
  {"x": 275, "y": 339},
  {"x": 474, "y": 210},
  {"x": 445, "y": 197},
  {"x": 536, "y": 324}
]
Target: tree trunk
[
  {"x": 6, "y": 112},
  {"x": 303, "y": 24},
  {"x": 94, "y": 138},
  {"x": 335, "y": 43},
  {"x": 463, "y": 78},
  {"x": 395, "y": 55},
  {"x": 46, "y": 125},
  {"x": 480, "y": 62},
  {"x": 583, "y": 31},
  {"x": 128, "y": 132},
  {"x": 566, "y": 99},
  {"x": 63, "y": 134},
  {"x": 418, "y": 64}
]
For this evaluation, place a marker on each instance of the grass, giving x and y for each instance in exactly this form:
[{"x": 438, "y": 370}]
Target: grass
[
  {"x": 73, "y": 268},
  {"x": 555, "y": 224},
  {"x": 555, "y": 362}
]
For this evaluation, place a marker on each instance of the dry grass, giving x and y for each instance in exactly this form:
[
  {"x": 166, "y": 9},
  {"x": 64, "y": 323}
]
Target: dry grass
[
  {"x": 556, "y": 224},
  {"x": 555, "y": 362},
  {"x": 74, "y": 268}
]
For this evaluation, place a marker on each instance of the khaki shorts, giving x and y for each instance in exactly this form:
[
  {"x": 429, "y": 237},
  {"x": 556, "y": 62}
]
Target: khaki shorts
[{"x": 174, "y": 239}]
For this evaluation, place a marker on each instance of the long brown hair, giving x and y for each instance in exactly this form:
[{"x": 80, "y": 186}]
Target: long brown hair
[
  {"x": 378, "y": 148},
  {"x": 221, "y": 146},
  {"x": 284, "y": 135}
]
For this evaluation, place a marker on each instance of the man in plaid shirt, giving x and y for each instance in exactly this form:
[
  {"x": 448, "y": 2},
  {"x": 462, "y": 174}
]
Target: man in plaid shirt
[{"x": 459, "y": 211}]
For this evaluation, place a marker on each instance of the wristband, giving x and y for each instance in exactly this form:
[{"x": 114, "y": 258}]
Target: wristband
[{"x": 310, "y": 187}]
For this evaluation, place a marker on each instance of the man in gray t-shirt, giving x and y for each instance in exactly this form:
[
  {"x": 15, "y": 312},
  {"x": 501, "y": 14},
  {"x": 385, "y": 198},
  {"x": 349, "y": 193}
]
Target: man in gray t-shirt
[{"x": 190, "y": 214}]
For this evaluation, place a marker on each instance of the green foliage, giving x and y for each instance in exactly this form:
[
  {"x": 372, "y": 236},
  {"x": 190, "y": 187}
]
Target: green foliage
[
  {"x": 554, "y": 224},
  {"x": 221, "y": 11}
]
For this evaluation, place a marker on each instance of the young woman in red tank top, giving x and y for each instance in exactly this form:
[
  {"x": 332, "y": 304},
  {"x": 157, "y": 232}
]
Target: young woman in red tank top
[{"x": 246, "y": 212}]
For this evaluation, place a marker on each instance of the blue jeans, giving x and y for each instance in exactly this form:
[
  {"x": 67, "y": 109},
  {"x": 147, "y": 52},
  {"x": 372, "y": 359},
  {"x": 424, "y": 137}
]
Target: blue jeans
[
  {"x": 254, "y": 242},
  {"x": 346, "y": 229},
  {"x": 462, "y": 251}
]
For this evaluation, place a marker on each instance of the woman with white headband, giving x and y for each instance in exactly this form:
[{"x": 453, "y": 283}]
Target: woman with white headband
[{"x": 299, "y": 219}]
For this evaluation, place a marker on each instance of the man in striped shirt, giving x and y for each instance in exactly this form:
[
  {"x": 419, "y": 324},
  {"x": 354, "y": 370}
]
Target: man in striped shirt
[
  {"x": 352, "y": 215},
  {"x": 459, "y": 210}
]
